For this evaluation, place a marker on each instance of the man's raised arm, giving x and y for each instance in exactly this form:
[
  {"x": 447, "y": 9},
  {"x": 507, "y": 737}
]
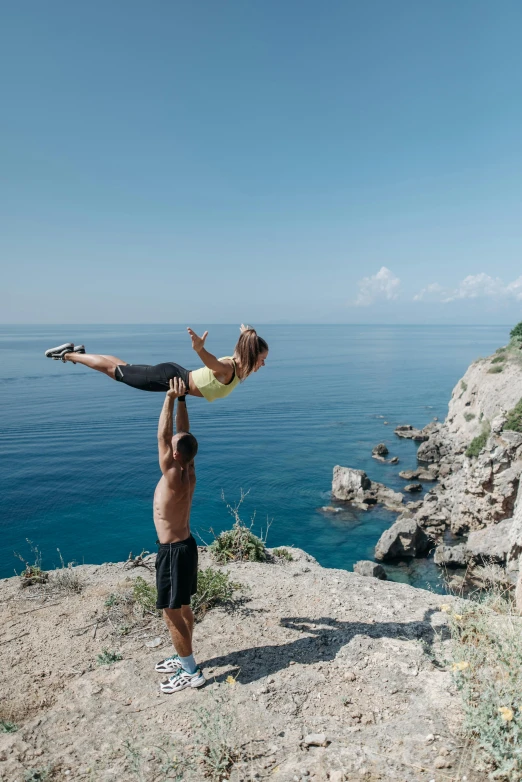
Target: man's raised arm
[
  {"x": 165, "y": 424},
  {"x": 182, "y": 419}
]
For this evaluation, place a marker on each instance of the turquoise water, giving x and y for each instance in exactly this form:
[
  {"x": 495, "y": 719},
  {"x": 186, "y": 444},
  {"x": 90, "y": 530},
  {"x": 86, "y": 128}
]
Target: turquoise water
[{"x": 78, "y": 463}]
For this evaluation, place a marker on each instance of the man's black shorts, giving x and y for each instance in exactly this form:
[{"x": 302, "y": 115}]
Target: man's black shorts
[{"x": 176, "y": 573}]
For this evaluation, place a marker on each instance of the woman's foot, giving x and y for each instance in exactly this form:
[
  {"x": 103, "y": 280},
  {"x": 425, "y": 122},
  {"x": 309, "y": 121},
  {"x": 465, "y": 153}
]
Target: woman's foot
[{"x": 61, "y": 350}]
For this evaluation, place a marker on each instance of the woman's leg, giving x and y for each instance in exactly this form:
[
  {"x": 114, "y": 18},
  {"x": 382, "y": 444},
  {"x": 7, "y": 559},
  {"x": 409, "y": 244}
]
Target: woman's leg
[{"x": 105, "y": 364}]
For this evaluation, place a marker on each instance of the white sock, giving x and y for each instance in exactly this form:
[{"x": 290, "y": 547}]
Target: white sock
[{"x": 188, "y": 663}]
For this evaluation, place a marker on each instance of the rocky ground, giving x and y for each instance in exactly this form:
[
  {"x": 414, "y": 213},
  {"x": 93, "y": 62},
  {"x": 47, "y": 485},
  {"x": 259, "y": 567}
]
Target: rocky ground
[{"x": 313, "y": 674}]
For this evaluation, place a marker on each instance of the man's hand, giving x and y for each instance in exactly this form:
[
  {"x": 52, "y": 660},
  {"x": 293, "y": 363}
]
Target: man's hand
[
  {"x": 198, "y": 343},
  {"x": 177, "y": 388}
]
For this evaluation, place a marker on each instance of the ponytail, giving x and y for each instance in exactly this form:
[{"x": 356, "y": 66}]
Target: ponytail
[{"x": 248, "y": 349}]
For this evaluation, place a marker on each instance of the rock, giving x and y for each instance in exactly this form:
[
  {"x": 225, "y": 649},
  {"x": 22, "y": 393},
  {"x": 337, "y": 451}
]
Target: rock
[
  {"x": 491, "y": 544},
  {"x": 405, "y": 538},
  {"x": 354, "y": 486},
  {"x": 410, "y": 433},
  {"x": 429, "y": 451},
  {"x": 368, "y": 568},
  {"x": 349, "y": 484},
  {"x": 336, "y": 776},
  {"x": 380, "y": 450},
  {"x": 408, "y": 475},
  {"x": 413, "y": 487},
  {"x": 315, "y": 740},
  {"x": 394, "y": 460},
  {"x": 452, "y": 556},
  {"x": 424, "y": 475},
  {"x": 440, "y": 762}
]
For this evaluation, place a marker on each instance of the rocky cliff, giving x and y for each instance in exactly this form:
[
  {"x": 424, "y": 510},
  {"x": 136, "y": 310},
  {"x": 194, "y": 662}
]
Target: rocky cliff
[
  {"x": 313, "y": 674},
  {"x": 478, "y": 461}
]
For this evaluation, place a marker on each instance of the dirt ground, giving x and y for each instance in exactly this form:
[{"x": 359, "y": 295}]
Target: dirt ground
[{"x": 300, "y": 650}]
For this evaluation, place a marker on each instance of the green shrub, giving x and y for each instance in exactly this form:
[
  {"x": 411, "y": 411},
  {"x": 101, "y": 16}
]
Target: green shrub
[
  {"x": 469, "y": 416},
  {"x": 107, "y": 657},
  {"x": 516, "y": 331},
  {"x": 463, "y": 385},
  {"x": 487, "y": 666},
  {"x": 478, "y": 443},
  {"x": 495, "y": 370},
  {"x": 239, "y": 543},
  {"x": 6, "y": 726},
  {"x": 145, "y": 595},
  {"x": 498, "y": 359},
  {"x": 500, "y": 350},
  {"x": 214, "y": 587},
  {"x": 283, "y": 553},
  {"x": 514, "y": 419}
]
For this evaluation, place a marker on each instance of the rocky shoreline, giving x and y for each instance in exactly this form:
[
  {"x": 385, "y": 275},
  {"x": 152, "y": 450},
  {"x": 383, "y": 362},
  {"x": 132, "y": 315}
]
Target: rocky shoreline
[{"x": 470, "y": 519}]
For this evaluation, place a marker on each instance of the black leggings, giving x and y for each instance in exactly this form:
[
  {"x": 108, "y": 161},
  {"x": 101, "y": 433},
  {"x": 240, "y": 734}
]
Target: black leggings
[{"x": 151, "y": 378}]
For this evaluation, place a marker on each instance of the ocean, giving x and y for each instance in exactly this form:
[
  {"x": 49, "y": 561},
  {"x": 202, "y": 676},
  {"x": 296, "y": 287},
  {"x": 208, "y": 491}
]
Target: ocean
[{"x": 78, "y": 462}]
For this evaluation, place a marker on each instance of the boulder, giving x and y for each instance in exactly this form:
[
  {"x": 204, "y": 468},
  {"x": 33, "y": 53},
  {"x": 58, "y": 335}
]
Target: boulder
[
  {"x": 491, "y": 544},
  {"x": 410, "y": 433},
  {"x": 394, "y": 460},
  {"x": 408, "y": 475},
  {"x": 413, "y": 487},
  {"x": 429, "y": 451},
  {"x": 421, "y": 474},
  {"x": 380, "y": 450},
  {"x": 349, "y": 484},
  {"x": 367, "y": 568},
  {"x": 403, "y": 539},
  {"x": 354, "y": 486},
  {"x": 452, "y": 556}
]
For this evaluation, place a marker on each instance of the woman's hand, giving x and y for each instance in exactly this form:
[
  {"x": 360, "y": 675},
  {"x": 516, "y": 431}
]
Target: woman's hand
[{"x": 198, "y": 343}]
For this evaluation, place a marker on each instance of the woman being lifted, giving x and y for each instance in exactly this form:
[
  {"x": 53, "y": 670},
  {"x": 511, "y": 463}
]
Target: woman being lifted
[{"x": 215, "y": 380}]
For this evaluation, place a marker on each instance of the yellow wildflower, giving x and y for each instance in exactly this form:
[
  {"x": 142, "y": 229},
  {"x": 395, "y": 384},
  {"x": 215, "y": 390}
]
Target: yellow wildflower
[
  {"x": 458, "y": 617},
  {"x": 460, "y": 666},
  {"x": 230, "y": 680},
  {"x": 446, "y": 608},
  {"x": 506, "y": 713}
]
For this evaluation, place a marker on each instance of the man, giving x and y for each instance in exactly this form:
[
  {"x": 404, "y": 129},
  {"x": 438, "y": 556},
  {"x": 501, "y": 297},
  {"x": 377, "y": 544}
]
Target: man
[{"x": 177, "y": 560}]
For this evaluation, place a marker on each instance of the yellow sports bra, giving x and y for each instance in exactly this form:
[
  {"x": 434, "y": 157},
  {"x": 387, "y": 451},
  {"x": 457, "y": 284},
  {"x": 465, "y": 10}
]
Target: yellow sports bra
[{"x": 210, "y": 387}]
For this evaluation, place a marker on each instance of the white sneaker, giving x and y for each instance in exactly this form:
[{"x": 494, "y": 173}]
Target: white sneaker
[
  {"x": 169, "y": 664},
  {"x": 182, "y": 679},
  {"x": 58, "y": 352}
]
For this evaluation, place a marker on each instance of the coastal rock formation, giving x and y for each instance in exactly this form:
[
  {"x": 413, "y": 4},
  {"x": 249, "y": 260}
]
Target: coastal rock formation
[
  {"x": 380, "y": 450},
  {"x": 405, "y": 538},
  {"x": 410, "y": 433},
  {"x": 368, "y": 568},
  {"x": 478, "y": 493},
  {"x": 355, "y": 487},
  {"x": 313, "y": 672},
  {"x": 413, "y": 487}
]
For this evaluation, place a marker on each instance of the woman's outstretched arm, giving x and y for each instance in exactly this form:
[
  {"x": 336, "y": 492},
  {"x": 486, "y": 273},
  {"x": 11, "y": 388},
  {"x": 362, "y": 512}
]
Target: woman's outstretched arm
[{"x": 209, "y": 360}]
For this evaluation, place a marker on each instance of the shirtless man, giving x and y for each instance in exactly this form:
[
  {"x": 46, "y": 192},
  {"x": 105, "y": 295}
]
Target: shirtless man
[{"x": 177, "y": 560}]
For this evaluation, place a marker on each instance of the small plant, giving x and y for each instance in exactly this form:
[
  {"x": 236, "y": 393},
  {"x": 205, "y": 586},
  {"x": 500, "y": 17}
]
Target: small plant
[
  {"x": 6, "y": 726},
  {"x": 239, "y": 543},
  {"x": 498, "y": 359},
  {"x": 66, "y": 578},
  {"x": 487, "y": 667},
  {"x": 145, "y": 595},
  {"x": 516, "y": 332},
  {"x": 214, "y": 587},
  {"x": 32, "y": 574},
  {"x": 283, "y": 553},
  {"x": 469, "y": 416},
  {"x": 463, "y": 385},
  {"x": 514, "y": 419},
  {"x": 112, "y": 600},
  {"x": 500, "y": 350},
  {"x": 496, "y": 370},
  {"x": 38, "y": 774},
  {"x": 213, "y": 728},
  {"x": 108, "y": 658},
  {"x": 478, "y": 443}
]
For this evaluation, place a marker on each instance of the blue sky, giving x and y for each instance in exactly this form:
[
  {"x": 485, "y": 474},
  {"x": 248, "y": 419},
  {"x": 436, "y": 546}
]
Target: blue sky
[{"x": 268, "y": 161}]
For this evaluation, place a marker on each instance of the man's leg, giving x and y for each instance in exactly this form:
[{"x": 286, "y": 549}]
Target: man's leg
[
  {"x": 105, "y": 364},
  {"x": 180, "y": 622}
]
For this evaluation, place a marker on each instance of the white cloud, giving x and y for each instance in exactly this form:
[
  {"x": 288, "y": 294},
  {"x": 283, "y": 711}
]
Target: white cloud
[
  {"x": 474, "y": 286},
  {"x": 383, "y": 285},
  {"x": 432, "y": 291}
]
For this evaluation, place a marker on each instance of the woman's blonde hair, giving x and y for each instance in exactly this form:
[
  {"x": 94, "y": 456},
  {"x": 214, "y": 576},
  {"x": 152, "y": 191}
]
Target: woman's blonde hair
[{"x": 248, "y": 349}]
